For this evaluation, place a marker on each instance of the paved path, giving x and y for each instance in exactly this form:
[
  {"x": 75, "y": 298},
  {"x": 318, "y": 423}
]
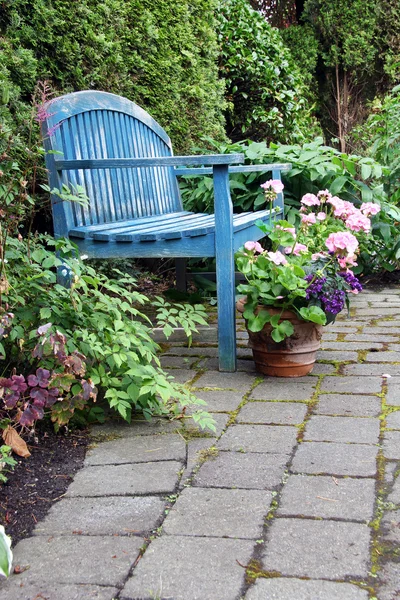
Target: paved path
[{"x": 295, "y": 499}]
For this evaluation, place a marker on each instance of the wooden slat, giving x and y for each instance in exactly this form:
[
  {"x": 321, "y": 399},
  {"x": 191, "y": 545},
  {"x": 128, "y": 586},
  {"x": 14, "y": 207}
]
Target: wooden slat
[
  {"x": 152, "y": 229},
  {"x": 235, "y": 169},
  {"x": 86, "y": 232}
]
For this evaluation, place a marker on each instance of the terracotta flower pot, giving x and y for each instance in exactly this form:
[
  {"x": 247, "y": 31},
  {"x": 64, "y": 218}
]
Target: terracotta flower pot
[{"x": 294, "y": 356}]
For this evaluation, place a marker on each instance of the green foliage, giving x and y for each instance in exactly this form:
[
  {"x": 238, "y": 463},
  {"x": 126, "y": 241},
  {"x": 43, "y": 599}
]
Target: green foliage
[
  {"x": 7, "y": 462},
  {"x": 187, "y": 316},
  {"x": 315, "y": 166},
  {"x": 266, "y": 90},
  {"x": 380, "y": 134},
  {"x": 100, "y": 319},
  {"x": 159, "y": 54},
  {"x": 6, "y": 556},
  {"x": 304, "y": 47},
  {"x": 346, "y": 32},
  {"x": 389, "y": 37}
]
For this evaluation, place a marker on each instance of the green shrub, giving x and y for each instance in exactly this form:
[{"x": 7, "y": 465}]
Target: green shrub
[
  {"x": 266, "y": 90},
  {"x": 98, "y": 322},
  {"x": 158, "y": 53}
]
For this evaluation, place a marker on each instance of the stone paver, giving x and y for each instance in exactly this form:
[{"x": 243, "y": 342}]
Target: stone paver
[
  {"x": 102, "y": 516},
  {"x": 393, "y": 420},
  {"x": 55, "y": 591},
  {"x": 285, "y": 389},
  {"x": 335, "y": 459},
  {"x": 238, "y": 470},
  {"x": 394, "y": 495},
  {"x": 348, "y": 405},
  {"x": 280, "y": 588},
  {"x": 186, "y": 568},
  {"x": 137, "y": 450},
  {"x": 342, "y": 429},
  {"x": 220, "y": 401},
  {"x": 259, "y": 438},
  {"x": 233, "y": 381},
  {"x": 379, "y": 369},
  {"x": 219, "y": 513},
  {"x": 272, "y": 413},
  {"x": 124, "y": 480},
  {"x": 391, "y": 445},
  {"x": 336, "y": 356},
  {"x": 321, "y": 496},
  {"x": 352, "y": 385},
  {"x": 347, "y": 345},
  {"x": 393, "y": 393},
  {"x": 328, "y": 549},
  {"x": 76, "y": 559},
  {"x": 382, "y": 357}
]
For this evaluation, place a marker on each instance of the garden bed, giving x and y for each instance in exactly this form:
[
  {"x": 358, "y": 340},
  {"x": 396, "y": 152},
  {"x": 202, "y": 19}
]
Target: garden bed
[{"x": 40, "y": 480}]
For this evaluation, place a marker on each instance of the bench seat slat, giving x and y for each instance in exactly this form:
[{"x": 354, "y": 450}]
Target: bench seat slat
[{"x": 154, "y": 230}]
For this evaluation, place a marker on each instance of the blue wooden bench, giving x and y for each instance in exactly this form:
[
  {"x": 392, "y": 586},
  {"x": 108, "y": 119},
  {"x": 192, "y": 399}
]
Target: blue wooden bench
[{"x": 124, "y": 160}]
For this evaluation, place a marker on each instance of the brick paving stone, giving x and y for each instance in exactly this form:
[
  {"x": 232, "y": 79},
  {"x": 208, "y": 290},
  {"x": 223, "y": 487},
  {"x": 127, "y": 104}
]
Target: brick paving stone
[
  {"x": 184, "y": 568},
  {"x": 321, "y": 496},
  {"x": 178, "y": 362},
  {"x": 389, "y": 580},
  {"x": 377, "y": 336},
  {"x": 323, "y": 369},
  {"x": 117, "y": 429},
  {"x": 393, "y": 347},
  {"x": 281, "y": 588},
  {"x": 195, "y": 448},
  {"x": 335, "y": 459},
  {"x": 382, "y": 328},
  {"x": 393, "y": 420},
  {"x": 55, "y": 591},
  {"x": 345, "y": 346},
  {"x": 348, "y": 405},
  {"x": 394, "y": 495},
  {"x": 329, "y": 337},
  {"x": 103, "y": 560},
  {"x": 378, "y": 369},
  {"x": 328, "y": 549},
  {"x": 391, "y": 445},
  {"x": 235, "y": 513},
  {"x": 221, "y": 401},
  {"x": 378, "y": 312},
  {"x": 285, "y": 389},
  {"x": 393, "y": 324},
  {"x": 126, "y": 480},
  {"x": 335, "y": 356},
  {"x": 236, "y": 381},
  {"x": 137, "y": 449},
  {"x": 393, "y": 393},
  {"x": 192, "y": 351},
  {"x": 390, "y": 527},
  {"x": 183, "y": 375},
  {"x": 383, "y": 357},
  {"x": 341, "y": 327},
  {"x": 259, "y": 438},
  {"x": 342, "y": 429},
  {"x": 352, "y": 385},
  {"x": 221, "y": 420},
  {"x": 273, "y": 413},
  {"x": 244, "y": 353},
  {"x": 237, "y": 470},
  {"x": 102, "y": 516}
]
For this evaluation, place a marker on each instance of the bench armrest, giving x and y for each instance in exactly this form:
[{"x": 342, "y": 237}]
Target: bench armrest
[
  {"x": 241, "y": 169},
  {"x": 162, "y": 161}
]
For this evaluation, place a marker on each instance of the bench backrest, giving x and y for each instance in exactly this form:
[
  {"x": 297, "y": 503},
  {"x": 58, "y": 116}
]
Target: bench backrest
[{"x": 92, "y": 124}]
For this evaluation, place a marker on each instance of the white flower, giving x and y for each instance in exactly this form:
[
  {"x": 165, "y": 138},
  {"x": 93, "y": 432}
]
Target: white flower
[{"x": 84, "y": 257}]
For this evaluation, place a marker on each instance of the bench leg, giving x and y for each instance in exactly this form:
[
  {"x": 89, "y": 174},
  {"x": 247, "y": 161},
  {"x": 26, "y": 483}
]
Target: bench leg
[
  {"x": 180, "y": 269},
  {"x": 226, "y": 315}
]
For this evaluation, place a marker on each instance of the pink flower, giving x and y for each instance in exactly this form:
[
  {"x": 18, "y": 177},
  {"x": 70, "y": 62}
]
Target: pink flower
[
  {"x": 343, "y": 209},
  {"x": 275, "y": 184},
  {"x": 318, "y": 255},
  {"x": 296, "y": 249},
  {"x": 291, "y": 230},
  {"x": 321, "y": 216},
  {"x": 254, "y": 246},
  {"x": 277, "y": 258},
  {"x": 308, "y": 219},
  {"x": 342, "y": 240},
  {"x": 358, "y": 222},
  {"x": 346, "y": 261},
  {"x": 370, "y": 208},
  {"x": 310, "y": 200},
  {"x": 324, "y": 196}
]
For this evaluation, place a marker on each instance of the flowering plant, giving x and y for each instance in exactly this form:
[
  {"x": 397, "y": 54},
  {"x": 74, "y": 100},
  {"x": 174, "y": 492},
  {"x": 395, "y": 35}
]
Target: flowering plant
[{"x": 307, "y": 270}]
